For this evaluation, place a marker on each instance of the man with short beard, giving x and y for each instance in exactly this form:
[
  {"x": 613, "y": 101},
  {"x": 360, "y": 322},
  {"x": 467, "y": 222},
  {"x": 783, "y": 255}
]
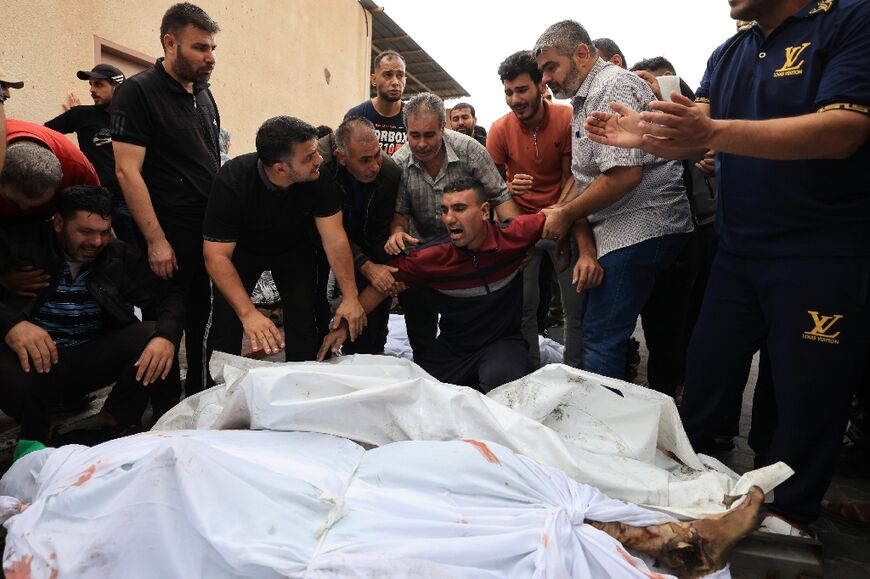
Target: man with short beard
[
  {"x": 165, "y": 136},
  {"x": 533, "y": 144},
  {"x": 635, "y": 202},
  {"x": 260, "y": 214},
  {"x": 78, "y": 333},
  {"x": 463, "y": 119},
  {"x": 90, "y": 123},
  {"x": 385, "y": 109}
]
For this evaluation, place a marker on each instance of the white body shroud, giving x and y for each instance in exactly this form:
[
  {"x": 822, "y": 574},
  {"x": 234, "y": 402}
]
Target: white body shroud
[
  {"x": 297, "y": 504},
  {"x": 210, "y": 503},
  {"x": 599, "y": 431}
]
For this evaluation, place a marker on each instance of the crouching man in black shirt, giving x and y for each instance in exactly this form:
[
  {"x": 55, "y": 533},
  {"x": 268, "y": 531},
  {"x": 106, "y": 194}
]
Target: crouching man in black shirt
[
  {"x": 259, "y": 217},
  {"x": 79, "y": 334}
]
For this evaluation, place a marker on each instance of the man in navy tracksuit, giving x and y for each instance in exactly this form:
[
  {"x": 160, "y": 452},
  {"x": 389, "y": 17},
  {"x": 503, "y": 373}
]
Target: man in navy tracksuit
[
  {"x": 472, "y": 274},
  {"x": 786, "y": 103}
]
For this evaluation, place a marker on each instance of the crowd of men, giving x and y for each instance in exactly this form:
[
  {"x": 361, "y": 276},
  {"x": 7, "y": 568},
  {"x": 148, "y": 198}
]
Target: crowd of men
[{"x": 617, "y": 193}]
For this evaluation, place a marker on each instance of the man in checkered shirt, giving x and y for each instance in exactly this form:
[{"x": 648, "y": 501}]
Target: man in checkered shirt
[{"x": 635, "y": 201}]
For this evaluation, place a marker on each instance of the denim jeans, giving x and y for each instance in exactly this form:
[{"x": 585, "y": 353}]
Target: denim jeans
[{"x": 613, "y": 307}]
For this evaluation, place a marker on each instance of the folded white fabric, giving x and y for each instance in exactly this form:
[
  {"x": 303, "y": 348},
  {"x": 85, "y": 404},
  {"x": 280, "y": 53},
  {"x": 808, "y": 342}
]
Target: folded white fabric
[{"x": 599, "y": 431}]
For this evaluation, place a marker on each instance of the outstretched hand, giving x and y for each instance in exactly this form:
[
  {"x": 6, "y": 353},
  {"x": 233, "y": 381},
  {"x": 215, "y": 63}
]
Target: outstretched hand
[
  {"x": 621, "y": 128},
  {"x": 677, "y": 124},
  {"x": 380, "y": 276},
  {"x": 333, "y": 340},
  {"x": 397, "y": 241}
]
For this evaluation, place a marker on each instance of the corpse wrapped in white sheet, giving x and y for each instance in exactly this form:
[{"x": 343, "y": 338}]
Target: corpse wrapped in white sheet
[
  {"x": 303, "y": 500},
  {"x": 600, "y": 431},
  {"x": 253, "y": 504}
]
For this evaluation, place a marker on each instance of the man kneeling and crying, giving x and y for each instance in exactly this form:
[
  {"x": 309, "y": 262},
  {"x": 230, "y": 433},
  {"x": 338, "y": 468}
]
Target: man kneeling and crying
[
  {"x": 472, "y": 275},
  {"x": 471, "y": 272}
]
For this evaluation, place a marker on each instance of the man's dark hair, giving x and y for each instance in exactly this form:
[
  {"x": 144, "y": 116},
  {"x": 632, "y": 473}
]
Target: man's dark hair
[
  {"x": 180, "y": 15},
  {"x": 654, "y": 63},
  {"x": 518, "y": 63},
  {"x": 659, "y": 63},
  {"x": 276, "y": 137},
  {"x": 31, "y": 169},
  {"x": 323, "y": 130},
  {"x": 386, "y": 54},
  {"x": 464, "y": 106},
  {"x": 607, "y": 48},
  {"x": 466, "y": 184},
  {"x": 87, "y": 198}
]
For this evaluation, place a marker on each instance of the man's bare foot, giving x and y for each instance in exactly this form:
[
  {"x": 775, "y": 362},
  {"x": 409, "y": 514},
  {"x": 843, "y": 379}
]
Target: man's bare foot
[{"x": 696, "y": 548}]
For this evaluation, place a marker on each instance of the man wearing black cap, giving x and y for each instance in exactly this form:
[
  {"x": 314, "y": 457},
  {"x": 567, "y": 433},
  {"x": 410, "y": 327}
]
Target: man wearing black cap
[
  {"x": 8, "y": 81},
  {"x": 90, "y": 123}
]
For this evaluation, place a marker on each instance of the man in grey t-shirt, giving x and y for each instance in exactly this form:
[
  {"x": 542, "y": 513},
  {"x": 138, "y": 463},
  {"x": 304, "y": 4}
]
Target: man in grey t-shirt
[{"x": 635, "y": 201}]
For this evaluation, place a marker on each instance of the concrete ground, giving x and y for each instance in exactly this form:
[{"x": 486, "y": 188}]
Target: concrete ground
[{"x": 842, "y": 551}]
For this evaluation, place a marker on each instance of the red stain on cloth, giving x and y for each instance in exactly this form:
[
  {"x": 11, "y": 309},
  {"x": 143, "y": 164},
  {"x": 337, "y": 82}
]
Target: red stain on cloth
[
  {"x": 85, "y": 476},
  {"x": 484, "y": 450},
  {"x": 638, "y": 565}
]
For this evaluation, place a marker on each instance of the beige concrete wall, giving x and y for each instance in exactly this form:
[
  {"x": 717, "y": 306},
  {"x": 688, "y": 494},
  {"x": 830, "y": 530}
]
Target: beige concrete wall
[{"x": 271, "y": 58}]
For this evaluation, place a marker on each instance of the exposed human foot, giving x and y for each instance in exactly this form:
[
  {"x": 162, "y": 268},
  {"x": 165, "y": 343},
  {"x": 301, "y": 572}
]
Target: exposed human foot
[{"x": 694, "y": 548}]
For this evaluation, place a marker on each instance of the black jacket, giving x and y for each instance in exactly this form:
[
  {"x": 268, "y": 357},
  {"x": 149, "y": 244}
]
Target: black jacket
[
  {"x": 121, "y": 279},
  {"x": 381, "y": 205}
]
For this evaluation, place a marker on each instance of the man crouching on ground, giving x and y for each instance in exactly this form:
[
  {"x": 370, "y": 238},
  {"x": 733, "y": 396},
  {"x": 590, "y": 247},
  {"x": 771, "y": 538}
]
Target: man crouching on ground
[
  {"x": 472, "y": 275},
  {"x": 79, "y": 334}
]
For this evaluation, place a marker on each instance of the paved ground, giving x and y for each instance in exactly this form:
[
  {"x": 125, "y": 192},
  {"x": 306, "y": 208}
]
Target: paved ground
[{"x": 845, "y": 550}]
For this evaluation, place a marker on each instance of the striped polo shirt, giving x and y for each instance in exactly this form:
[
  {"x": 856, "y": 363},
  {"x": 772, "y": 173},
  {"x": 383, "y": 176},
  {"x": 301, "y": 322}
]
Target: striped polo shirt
[{"x": 69, "y": 314}]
